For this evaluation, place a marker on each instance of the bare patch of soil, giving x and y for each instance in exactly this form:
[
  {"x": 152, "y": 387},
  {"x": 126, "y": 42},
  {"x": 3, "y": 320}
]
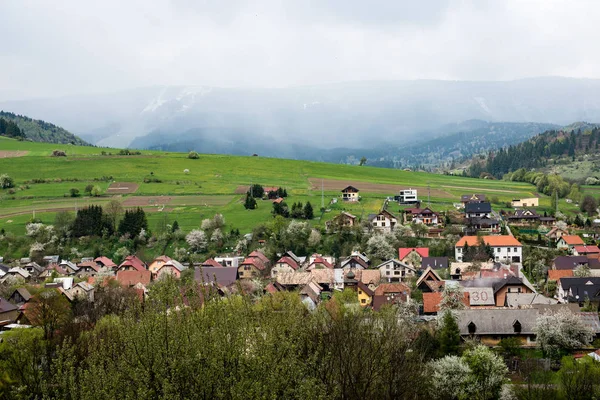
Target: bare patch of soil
[
  {"x": 12, "y": 154},
  {"x": 122, "y": 188}
]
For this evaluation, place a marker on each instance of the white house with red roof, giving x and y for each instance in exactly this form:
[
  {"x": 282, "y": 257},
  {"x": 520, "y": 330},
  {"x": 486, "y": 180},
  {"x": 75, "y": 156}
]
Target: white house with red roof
[
  {"x": 421, "y": 216},
  {"x": 568, "y": 242},
  {"x": 504, "y": 247},
  {"x": 284, "y": 264},
  {"x": 412, "y": 256},
  {"x": 383, "y": 222}
]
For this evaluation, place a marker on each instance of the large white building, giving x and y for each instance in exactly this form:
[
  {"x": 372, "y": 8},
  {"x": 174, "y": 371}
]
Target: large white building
[
  {"x": 408, "y": 196},
  {"x": 505, "y": 248}
]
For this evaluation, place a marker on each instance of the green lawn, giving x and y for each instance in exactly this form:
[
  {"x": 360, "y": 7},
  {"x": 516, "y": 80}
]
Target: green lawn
[{"x": 200, "y": 188}]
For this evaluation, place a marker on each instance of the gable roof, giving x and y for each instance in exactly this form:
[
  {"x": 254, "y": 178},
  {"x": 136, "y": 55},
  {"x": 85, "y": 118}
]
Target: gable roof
[
  {"x": 497, "y": 321},
  {"x": 130, "y": 278},
  {"x": 525, "y": 299},
  {"x": 90, "y": 264},
  {"x": 5, "y": 306},
  {"x": 133, "y": 262},
  {"x": 387, "y": 288},
  {"x": 472, "y": 197},
  {"x": 478, "y": 208},
  {"x": 572, "y": 240},
  {"x": 172, "y": 263},
  {"x": 211, "y": 262},
  {"x": 162, "y": 258},
  {"x": 321, "y": 260},
  {"x": 556, "y": 274},
  {"x": 357, "y": 260},
  {"x": 20, "y": 271},
  {"x": 369, "y": 276},
  {"x": 350, "y": 189},
  {"x": 524, "y": 214},
  {"x": 362, "y": 286},
  {"x": 404, "y": 251},
  {"x": 382, "y": 212},
  {"x": 289, "y": 261},
  {"x": 432, "y": 300},
  {"x": 585, "y": 249},
  {"x": 223, "y": 276},
  {"x": 254, "y": 261},
  {"x": 259, "y": 255},
  {"x": 494, "y": 241},
  {"x": 569, "y": 262},
  {"x": 23, "y": 292},
  {"x": 428, "y": 273},
  {"x": 435, "y": 262},
  {"x": 105, "y": 261}
]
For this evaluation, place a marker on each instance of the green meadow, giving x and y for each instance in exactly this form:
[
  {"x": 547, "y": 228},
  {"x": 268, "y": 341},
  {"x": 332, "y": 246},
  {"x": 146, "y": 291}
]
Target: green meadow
[{"x": 187, "y": 190}]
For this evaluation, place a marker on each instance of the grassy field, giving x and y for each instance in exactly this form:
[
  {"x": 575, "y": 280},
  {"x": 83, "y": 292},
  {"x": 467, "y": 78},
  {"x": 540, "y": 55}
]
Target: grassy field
[{"x": 191, "y": 190}]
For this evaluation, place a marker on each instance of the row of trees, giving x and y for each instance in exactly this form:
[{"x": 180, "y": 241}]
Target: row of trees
[
  {"x": 298, "y": 210},
  {"x": 10, "y": 129},
  {"x": 96, "y": 221}
]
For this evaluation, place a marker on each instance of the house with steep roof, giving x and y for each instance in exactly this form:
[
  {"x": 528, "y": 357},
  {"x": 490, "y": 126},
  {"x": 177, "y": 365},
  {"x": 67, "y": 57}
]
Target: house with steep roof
[
  {"x": 489, "y": 326},
  {"x": 524, "y": 216},
  {"x": 319, "y": 263},
  {"x": 412, "y": 256},
  {"x": 253, "y": 266},
  {"x": 170, "y": 268},
  {"x": 350, "y": 193},
  {"x": 396, "y": 271},
  {"x": 9, "y": 313},
  {"x": 284, "y": 264},
  {"x": 568, "y": 242},
  {"x": 20, "y": 296},
  {"x": 430, "y": 281},
  {"x": 577, "y": 290},
  {"x": 432, "y": 300},
  {"x": 342, "y": 220},
  {"x": 87, "y": 268},
  {"x": 421, "y": 216},
  {"x": 310, "y": 294},
  {"x": 157, "y": 263},
  {"x": 82, "y": 290},
  {"x": 330, "y": 259},
  {"x": 132, "y": 263},
  {"x": 33, "y": 268},
  {"x": 211, "y": 263},
  {"x": 365, "y": 294},
  {"x": 478, "y": 210},
  {"x": 383, "y": 222},
  {"x": 70, "y": 267},
  {"x": 52, "y": 270},
  {"x": 504, "y": 247},
  {"x": 355, "y": 262},
  {"x": 105, "y": 262},
  {"x": 472, "y": 198},
  {"x": 131, "y": 277},
  {"x": 15, "y": 273},
  {"x": 390, "y": 293}
]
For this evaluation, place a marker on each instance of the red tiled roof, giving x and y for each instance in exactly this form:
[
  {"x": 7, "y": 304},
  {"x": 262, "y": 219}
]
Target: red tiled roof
[
  {"x": 163, "y": 258},
  {"x": 211, "y": 262},
  {"x": 320, "y": 260},
  {"x": 134, "y": 262},
  {"x": 90, "y": 264},
  {"x": 495, "y": 241},
  {"x": 572, "y": 240},
  {"x": 587, "y": 249},
  {"x": 386, "y": 288},
  {"x": 278, "y": 200},
  {"x": 107, "y": 262},
  {"x": 404, "y": 251},
  {"x": 431, "y": 301},
  {"x": 556, "y": 274},
  {"x": 289, "y": 261},
  {"x": 131, "y": 278},
  {"x": 259, "y": 255},
  {"x": 255, "y": 261},
  {"x": 270, "y": 288}
]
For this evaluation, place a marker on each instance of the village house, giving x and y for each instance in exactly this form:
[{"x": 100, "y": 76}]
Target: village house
[
  {"x": 342, "y": 220},
  {"x": 350, "y": 193},
  {"x": 52, "y": 270},
  {"x": 529, "y": 202},
  {"x": 132, "y": 277},
  {"x": 220, "y": 276},
  {"x": 284, "y": 264},
  {"x": 20, "y": 296},
  {"x": 383, "y": 222},
  {"x": 439, "y": 263},
  {"x": 356, "y": 261},
  {"x": 489, "y": 326},
  {"x": 253, "y": 266},
  {"x": 493, "y": 291},
  {"x": 555, "y": 233},
  {"x": 211, "y": 263},
  {"x": 171, "y": 268},
  {"x": 486, "y": 225},
  {"x": 33, "y": 268},
  {"x": 132, "y": 263},
  {"x": 3, "y": 269},
  {"x": 87, "y": 268},
  {"x": 585, "y": 250},
  {"x": 548, "y": 221},
  {"x": 157, "y": 263},
  {"x": 15, "y": 274},
  {"x": 82, "y": 290},
  {"x": 430, "y": 281},
  {"x": 319, "y": 263},
  {"x": 390, "y": 293},
  {"x": 8, "y": 312},
  {"x": 504, "y": 247},
  {"x": 421, "y": 216},
  {"x": 472, "y": 198},
  {"x": 310, "y": 295},
  {"x": 413, "y": 256},
  {"x": 478, "y": 210},
  {"x": 524, "y": 216},
  {"x": 396, "y": 271},
  {"x": 330, "y": 259},
  {"x": 578, "y": 290},
  {"x": 105, "y": 262},
  {"x": 570, "y": 263},
  {"x": 568, "y": 242},
  {"x": 408, "y": 196},
  {"x": 365, "y": 294},
  {"x": 70, "y": 267},
  {"x": 233, "y": 261}
]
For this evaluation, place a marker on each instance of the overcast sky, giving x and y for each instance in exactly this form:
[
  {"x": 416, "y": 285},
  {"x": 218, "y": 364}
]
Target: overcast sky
[{"x": 63, "y": 47}]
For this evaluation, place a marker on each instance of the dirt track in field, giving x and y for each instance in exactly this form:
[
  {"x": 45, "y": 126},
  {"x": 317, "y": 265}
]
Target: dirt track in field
[
  {"x": 12, "y": 154},
  {"x": 144, "y": 201},
  {"x": 241, "y": 189},
  {"x": 482, "y": 190},
  {"x": 122, "y": 188},
  {"x": 368, "y": 187}
]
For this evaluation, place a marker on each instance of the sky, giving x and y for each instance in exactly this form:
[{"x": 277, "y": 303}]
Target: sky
[{"x": 64, "y": 47}]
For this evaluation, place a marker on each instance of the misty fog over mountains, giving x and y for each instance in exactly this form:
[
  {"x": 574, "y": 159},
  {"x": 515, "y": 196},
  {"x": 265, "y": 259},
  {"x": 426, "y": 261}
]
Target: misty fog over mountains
[{"x": 305, "y": 122}]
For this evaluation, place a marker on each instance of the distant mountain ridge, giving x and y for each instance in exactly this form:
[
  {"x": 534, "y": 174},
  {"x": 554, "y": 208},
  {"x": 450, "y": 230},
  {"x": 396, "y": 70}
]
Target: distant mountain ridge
[
  {"x": 313, "y": 119},
  {"x": 42, "y": 131}
]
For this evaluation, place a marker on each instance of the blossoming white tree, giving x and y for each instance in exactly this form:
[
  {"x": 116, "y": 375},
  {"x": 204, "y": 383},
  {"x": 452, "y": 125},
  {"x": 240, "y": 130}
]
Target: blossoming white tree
[
  {"x": 196, "y": 239},
  {"x": 561, "y": 331}
]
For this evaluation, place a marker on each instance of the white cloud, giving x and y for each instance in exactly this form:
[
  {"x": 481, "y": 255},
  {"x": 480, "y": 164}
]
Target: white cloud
[{"x": 72, "y": 46}]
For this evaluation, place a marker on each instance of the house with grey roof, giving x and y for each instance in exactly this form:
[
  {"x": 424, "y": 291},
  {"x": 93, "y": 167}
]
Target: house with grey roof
[{"x": 492, "y": 325}]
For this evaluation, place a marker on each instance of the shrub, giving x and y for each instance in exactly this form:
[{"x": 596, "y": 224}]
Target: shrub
[
  {"x": 74, "y": 192},
  {"x": 59, "y": 153},
  {"x": 193, "y": 155},
  {"x": 6, "y": 181}
]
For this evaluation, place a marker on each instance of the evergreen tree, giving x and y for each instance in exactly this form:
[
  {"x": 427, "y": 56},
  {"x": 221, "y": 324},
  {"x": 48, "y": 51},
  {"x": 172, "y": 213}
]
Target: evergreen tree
[
  {"x": 449, "y": 334},
  {"x": 133, "y": 222},
  {"x": 250, "y": 202},
  {"x": 175, "y": 226},
  {"x": 308, "y": 211}
]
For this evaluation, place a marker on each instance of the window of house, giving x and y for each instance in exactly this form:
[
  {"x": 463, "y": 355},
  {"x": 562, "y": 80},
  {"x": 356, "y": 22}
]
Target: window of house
[
  {"x": 472, "y": 328},
  {"x": 515, "y": 249},
  {"x": 387, "y": 272},
  {"x": 517, "y": 326},
  {"x": 508, "y": 249},
  {"x": 363, "y": 301}
]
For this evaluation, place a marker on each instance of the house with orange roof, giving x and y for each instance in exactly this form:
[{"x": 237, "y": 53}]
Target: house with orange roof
[
  {"x": 157, "y": 263},
  {"x": 504, "y": 247},
  {"x": 253, "y": 266},
  {"x": 284, "y": 264},
  {"x": 132, "y": 263},
  {"x": 556, "y": 274},
  {"x": 568, "y": 242},
  {"x": 412, "y": 256}
]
